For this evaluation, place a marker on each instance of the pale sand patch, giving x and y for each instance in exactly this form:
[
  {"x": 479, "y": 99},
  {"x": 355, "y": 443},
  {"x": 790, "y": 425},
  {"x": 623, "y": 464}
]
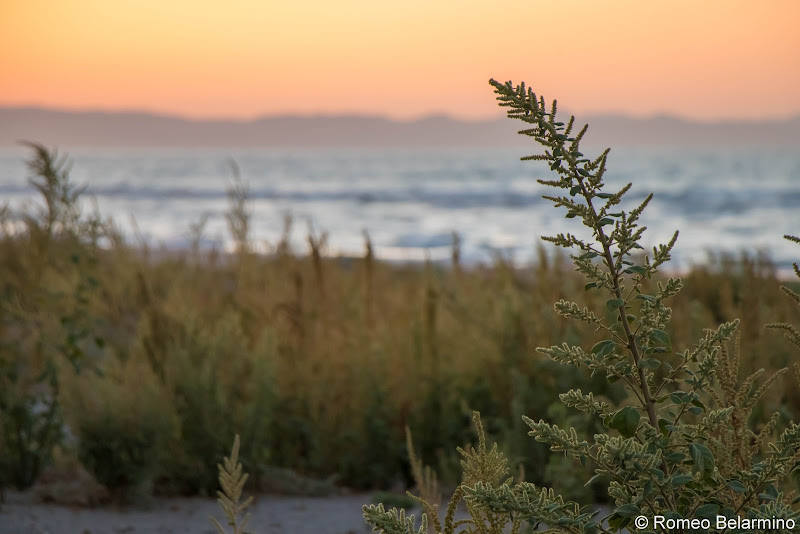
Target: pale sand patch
[{"x": 271, "y": 514}]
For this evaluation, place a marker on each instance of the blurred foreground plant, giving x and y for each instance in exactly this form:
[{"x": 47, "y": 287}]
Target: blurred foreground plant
[{"x": 232, "y": 481}]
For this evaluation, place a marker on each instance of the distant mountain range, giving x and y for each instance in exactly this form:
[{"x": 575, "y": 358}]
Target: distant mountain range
[{"x": 133, "y": 129}]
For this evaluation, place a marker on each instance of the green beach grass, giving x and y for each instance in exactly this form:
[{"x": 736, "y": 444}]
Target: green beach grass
[{"x": 144, "y": 365}]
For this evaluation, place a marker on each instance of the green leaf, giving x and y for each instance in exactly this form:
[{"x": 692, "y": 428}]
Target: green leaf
[
  {"x": 737, "y": 486},
  {"x": 604, "y": 195},
  {"x": 661, "y": 337},
  {"x": 675, "y": 398},
  {"x": 662, "y": 425},
  {"x": 628, "y": 510},
  {"x": 626, "y": 421},
  {"x": 648, "y": 298},
  {"x": 696, "y": 410},
  {"x": 699, "y": 404},
  {"x": 649, "y": 363},
  {"x": 702, "y": 457},
  {"x": 574, "y": 190},
  {"x": 617, "y": 522},
  {"x": 707, "y": 511},
  {"x": 613, "y": 305},
  {"x": 638, "y": 269},
  {"x": 606, "y": 221},
  {"x": 771, "y": 490},
  {"x": 603, "y": 348},
  {"x": 675, "y": 457},
  {"x": 680, "y": 480}
]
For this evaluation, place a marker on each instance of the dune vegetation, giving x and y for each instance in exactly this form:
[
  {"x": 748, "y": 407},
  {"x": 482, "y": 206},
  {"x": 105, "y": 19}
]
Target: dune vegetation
[{"x": 140, "y": 365}]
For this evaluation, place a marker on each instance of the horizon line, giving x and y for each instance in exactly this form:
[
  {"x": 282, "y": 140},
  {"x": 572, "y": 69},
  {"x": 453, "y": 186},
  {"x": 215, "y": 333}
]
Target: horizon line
[{"x": 387, "y": 118}]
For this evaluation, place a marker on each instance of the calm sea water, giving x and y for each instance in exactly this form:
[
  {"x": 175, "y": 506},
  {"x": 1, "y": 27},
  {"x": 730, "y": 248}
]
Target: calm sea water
[{"x": 410, "y": 201}]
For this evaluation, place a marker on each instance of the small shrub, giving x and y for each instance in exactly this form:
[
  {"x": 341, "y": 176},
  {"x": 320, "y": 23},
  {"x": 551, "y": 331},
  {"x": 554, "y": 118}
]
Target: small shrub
[
  {"x": 217, "y": 383},
  {"x": 122, "y": 420},
  {"x": 43, "y": 301},
  {"x": 30, "y": 424},
  {"x": 67, "y": 482}
]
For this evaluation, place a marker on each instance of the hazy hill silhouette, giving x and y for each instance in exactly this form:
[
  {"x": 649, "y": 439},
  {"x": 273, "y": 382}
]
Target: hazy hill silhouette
[{"x": 135, "y": 129}]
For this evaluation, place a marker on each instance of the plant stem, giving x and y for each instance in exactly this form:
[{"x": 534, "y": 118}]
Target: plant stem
[{"x": 631, "y": 340}]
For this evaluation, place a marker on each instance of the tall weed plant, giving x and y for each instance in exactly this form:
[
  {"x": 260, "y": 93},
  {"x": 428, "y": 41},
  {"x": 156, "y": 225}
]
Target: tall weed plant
[{"x": 678, "y": 452}]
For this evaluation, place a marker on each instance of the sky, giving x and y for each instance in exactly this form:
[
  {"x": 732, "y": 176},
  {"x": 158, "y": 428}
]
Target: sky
[{"x": 702, "y": 60}]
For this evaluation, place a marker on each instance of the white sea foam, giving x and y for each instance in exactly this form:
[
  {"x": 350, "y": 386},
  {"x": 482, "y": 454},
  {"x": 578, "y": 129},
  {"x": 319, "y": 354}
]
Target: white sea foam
[{"x": 410, "y": 201}]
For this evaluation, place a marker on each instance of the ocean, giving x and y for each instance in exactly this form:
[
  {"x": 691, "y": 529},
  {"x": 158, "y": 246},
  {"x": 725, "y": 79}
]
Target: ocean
[{"x": 410, "y": 201}]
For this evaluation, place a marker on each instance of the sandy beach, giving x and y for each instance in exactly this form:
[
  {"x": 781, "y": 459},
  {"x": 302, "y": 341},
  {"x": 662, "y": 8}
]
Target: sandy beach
[{"x": 270, "y": 514}]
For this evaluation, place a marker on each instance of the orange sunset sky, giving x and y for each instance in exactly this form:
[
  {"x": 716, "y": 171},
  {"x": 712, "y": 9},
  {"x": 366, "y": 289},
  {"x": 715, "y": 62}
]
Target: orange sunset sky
[{"x": 703, "y": 59}]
